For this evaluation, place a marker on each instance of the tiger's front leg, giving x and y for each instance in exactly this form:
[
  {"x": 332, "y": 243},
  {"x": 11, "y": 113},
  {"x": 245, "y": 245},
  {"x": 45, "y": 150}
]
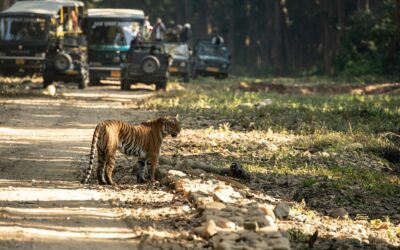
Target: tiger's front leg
[{"x": 153, "y": 162}]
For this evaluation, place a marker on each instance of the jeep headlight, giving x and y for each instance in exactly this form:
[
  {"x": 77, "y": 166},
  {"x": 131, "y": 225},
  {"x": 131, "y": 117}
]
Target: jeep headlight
[
  {"x": 182, "y": 64},
  {"x": 116, "y": 59},
  {"x": 123, "y": 57},
  {"x": 202, "y": 62},
  {"x": 41, "y": 55},
  {"x": 2, "y": 54},
  {"x": 224, "y": 65}
]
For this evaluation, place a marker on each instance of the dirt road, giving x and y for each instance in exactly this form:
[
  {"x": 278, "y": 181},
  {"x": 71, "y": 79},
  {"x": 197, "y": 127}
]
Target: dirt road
[{"x": 44, "y": 146}]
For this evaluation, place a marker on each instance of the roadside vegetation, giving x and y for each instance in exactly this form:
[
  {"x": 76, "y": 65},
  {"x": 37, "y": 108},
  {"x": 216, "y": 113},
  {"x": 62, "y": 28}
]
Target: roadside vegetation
[{"x": 322, "y": 150}]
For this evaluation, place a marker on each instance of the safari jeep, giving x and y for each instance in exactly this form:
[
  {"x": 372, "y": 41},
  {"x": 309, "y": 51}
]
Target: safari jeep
[
  {"x": 44, "y": 37},
  {"x": 210, "y": 59},
  {"x": 180, "y": 59},
  {"x": 109, "y": 34},
  {"x": 147, "y": 62},
  {"x": 66, "y": 59}
]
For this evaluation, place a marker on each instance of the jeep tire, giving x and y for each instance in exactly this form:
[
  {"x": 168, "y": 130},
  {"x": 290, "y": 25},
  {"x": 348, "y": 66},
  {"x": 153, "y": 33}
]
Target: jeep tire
[
  {"x": 94, "y": 81},
  {"x": 83, "y": 79},
  {"x": 186, "y": 78},
  {"x": 62, "y": 62},
  {"x": 149, "y": 64},
  {"x": 162, "y": 85},
  {"x": 125, "y": 85}
]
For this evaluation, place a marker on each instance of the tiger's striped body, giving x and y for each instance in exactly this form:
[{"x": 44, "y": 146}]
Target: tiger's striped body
[{"x": 143, "y": 141}]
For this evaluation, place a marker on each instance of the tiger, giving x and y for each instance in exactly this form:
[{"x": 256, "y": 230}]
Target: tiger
[{"x": 143, "y": 140}]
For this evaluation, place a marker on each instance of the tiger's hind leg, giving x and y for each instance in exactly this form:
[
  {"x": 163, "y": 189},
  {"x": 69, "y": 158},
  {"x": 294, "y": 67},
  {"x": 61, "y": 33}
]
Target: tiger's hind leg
[
  {"x": 141, "y": 170},
  {"x": 109, "y": 167},
  {"x": 100, "y": 168}
]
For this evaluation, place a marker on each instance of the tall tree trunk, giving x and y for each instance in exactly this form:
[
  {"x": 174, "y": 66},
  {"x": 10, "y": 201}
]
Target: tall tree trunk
[
  {"x": 395, "y": 44},
  {"x": 363, "y": 5},
  {"x": 178, "y": 12},
  {"x": 329, "y": 35},
  {"x": 280, "y": 43},
  {"x": 187, "y": 8},
  {"x": 231, "y": 30}
]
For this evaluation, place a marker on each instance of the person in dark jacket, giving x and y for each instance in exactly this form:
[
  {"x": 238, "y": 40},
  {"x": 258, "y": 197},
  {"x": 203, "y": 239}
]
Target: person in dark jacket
[{"x": 186, "y": 33}]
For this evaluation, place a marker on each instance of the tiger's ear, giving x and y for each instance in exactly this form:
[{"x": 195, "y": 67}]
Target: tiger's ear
[{"x": 177, "y": 117}]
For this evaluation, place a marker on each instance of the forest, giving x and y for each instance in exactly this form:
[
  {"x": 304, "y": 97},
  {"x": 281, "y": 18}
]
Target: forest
[
  {"x": 289, "y": 37},
  {"x": 296, "y": 147}
]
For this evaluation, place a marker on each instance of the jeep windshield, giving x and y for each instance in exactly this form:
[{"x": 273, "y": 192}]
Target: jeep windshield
[
  {"x": 112, "y": 34},
  {"x": 23, "y": 29},
  {"x": 210, "y": 49},
  {"x": 180, "y": 50}
]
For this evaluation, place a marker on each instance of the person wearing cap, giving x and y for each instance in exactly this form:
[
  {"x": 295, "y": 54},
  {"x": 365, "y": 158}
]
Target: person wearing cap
[{"x": 186, "y": 33}]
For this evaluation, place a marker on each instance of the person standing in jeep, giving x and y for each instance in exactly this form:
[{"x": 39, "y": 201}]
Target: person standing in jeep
[
  {"x": 186, "y": 33},
  {"x": 158, "y": 30}
]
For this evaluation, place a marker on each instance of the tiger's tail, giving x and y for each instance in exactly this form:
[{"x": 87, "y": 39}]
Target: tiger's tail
[{"x": 89, "y": 170}]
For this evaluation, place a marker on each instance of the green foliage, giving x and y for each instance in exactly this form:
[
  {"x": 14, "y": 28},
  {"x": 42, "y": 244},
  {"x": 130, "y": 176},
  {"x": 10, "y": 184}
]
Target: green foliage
[
  {"x": 366, "y": 43},
  {"x": 334, "y": 137},
  {"x": 361, "y": 42}
]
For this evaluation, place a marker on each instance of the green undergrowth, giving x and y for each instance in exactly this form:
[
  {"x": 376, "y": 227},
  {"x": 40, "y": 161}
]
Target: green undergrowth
[{"x": 342, "y": 138}]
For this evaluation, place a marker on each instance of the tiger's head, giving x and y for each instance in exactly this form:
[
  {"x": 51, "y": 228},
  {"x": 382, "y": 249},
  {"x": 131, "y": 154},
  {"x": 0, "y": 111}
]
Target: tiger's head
[{"x": 171, "y": 126}]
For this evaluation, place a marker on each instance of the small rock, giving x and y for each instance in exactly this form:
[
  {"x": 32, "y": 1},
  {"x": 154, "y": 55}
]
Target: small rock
[
  {"x": 162, "y": 160},
  {"x": 264, "y": 103},
  {"x": 225, "y": 194},
  {"x": 220, "y": 213},
  {"x": 265, "y": 209},
  {"x": 325, "y": 154},
  {"x": 282, "y": 210},
  {"x": 267, "y": 101},
  {"x": 162, "y": 171},
  {"x": 245, "y": 105},
  {"x": 176, "y": 173},
  {"x": 220, "y": 222},
  {"x": 210, "y": 229},
  {"x": 200, "y": 198},
  {"x": 196, "y": 172},
  {"x": 182, "y": 186},
  {"x": 244, "y": 85},
  {"x": 238, "y": 220},
  {"x": 49, "y": 90},
  {"x": 250, "y": 225},
  {"x": 339, "y": 213},
  {"x": 250, "y": 236},
  {"x": 263, "y": 220},
  {"x": 220, "y": 196},
  {"x": 212, "y": 205},
  {"x": 223, "y": 246},
  {"x": 184, "y": 165},
  {"x": 354, "y": 146},
  {"x": 281, "y": 244}
]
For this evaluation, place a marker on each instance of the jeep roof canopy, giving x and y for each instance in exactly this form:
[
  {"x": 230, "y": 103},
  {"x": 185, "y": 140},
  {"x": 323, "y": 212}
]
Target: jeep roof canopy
[
  {"x": 34, "y": 7},
  {"x": 67, "y": 3},
  {"x": 115, "y": 13}
]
